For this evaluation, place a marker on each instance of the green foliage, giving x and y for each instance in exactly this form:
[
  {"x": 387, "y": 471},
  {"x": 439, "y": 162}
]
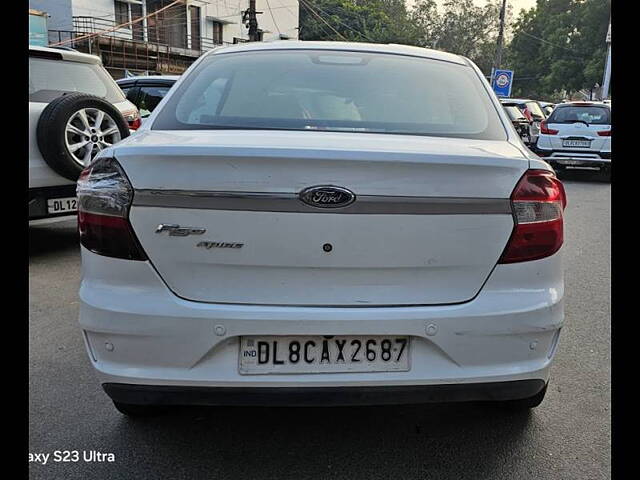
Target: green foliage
[
  {"x": 557, "y": 45},
  {"x": 379, "y": 21},
  {"x": 462, "y": 27}
]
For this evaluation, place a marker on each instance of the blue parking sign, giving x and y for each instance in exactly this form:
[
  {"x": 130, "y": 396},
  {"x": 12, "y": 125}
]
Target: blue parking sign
[{"x": 502, "y": 81}]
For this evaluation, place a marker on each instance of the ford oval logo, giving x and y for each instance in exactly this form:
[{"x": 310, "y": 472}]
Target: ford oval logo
[{"x": 327, "y": 196}]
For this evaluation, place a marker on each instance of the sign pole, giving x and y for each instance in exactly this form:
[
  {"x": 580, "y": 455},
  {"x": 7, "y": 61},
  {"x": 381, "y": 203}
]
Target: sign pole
[{"x": 607, "y": 69}]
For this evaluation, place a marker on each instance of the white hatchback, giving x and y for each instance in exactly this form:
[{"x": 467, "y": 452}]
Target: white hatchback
[
  {"x": 306, "y": 223},
  {"x": 577, "y": 135}
]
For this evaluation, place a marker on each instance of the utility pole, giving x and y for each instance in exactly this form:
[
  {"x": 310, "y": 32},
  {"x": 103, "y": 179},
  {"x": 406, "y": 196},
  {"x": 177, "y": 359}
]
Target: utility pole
[
  {"x": 607, "y": 68},
  {"x": 498, "y": 60},
  {"x": 250, "y": 16}
]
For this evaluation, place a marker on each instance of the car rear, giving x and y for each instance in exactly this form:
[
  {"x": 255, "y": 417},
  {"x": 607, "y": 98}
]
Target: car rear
[
  {"x": 577, "y": 135},
  {"x": 293, "y": 226},
  {"x": 53, "y": 73},
  {"x": 520, "y": 123},
  {"x": 532, "y": 112}
]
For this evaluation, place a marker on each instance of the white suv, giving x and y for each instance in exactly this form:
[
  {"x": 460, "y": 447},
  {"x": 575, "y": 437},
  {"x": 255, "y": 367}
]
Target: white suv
[
  {"x": 577, "y": 135},
  {"x": 75, "y": 110},
  {"x": 303, "y": 223}
]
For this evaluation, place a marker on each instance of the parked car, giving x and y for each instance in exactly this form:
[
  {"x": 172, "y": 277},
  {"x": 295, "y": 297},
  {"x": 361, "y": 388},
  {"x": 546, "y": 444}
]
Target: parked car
[
  {"x": 532, "y": 110},
  {"x": 366, "y": 228},
  {"x": 547, "y": 107},
  {"x": 520, "y": 123},
  {"x": 577, "y": 135},
  {"x": 146, "y": 92},
  {"x": 75, "y": 110}
]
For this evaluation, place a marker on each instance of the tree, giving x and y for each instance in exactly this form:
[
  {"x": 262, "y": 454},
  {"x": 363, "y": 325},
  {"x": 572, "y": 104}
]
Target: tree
[
  {"x": 556, "y": 46},
  {"x": 559, "y": 45},
  {"x": 378, "y": 21},
  {"x": 462, "y": 28}
]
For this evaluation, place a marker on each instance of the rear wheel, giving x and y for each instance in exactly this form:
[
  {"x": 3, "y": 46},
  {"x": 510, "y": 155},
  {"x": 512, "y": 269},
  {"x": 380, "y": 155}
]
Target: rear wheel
[
  {"x": 524, "y": 403},
  {"x": 139, "y": 411}
]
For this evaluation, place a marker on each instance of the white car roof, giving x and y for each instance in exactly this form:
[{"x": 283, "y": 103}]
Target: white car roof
[
  {"x": 344, "y": 46},
  {"x": 69, "y": 55}
]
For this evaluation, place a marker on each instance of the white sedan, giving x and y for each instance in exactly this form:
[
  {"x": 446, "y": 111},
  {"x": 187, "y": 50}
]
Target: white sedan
[{"x": 304, "y": 223}]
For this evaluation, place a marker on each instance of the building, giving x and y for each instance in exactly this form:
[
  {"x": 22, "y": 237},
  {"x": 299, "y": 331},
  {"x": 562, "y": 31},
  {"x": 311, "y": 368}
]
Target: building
[
  {"x": 38, "y": 28},
  {"x": 160, "y": 36}
]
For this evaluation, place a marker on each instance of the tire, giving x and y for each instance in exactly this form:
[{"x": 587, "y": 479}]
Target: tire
[
  {"x": 524, "y": 403},
  {"x": 139, "y": 411},
  {"x": 55, "y": 138}
]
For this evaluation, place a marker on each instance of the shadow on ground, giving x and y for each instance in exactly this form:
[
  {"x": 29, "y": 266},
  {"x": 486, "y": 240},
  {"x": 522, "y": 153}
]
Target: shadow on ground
[
  {"x": 52, "y": 239},
  {"x": 441, "y": 441},
  {"x": 583, "y": 176}
]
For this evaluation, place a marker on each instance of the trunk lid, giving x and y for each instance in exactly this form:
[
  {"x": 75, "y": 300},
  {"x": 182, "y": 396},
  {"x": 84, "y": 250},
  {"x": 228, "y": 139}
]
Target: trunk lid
[
  {"x": 430, "y": 219},
  {"x": 578, "y": 131}
]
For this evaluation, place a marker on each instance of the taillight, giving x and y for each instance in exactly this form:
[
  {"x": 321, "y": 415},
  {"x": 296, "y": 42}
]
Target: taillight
[
  {"x": 527, "y": 114},
  {"x": 104, "y": 198},
  {"x": 546, "y": 130},
  {"x": 133, "y": 119},
  {"x": 537, "y": 202},
  {"x": 605, "y": 133},
  {"x": 135, "y": 123}
]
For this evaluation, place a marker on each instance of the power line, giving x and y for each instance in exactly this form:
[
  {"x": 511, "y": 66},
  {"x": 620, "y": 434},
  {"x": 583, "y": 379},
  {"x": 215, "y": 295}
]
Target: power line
[
  {"x": 552, "y": 44},
  {"x": 273, "y": 18},
  {"x": 304, "y": 4},
  {"x": 344, "y": 25}
]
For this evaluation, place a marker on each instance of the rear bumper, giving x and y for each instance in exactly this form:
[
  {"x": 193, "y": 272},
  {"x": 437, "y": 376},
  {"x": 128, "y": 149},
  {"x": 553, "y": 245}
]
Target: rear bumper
[
  {"x": 138, "y": 333},
  {"x": 327, "y": 396},
  {"x": 569, "y": 159}
]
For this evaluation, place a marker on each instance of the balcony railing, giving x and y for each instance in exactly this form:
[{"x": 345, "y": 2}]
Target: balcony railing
[{"x": 170, "y": 35}]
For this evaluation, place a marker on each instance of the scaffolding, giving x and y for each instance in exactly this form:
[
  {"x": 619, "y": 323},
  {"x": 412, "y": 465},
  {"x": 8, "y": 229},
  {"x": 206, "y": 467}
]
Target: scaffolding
[{"x": 125, "y": 48}]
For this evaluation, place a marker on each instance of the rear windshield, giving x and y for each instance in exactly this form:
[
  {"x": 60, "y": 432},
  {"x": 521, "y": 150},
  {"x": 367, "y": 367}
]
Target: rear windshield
[
  {"x": 332, "y": 91},
  {"x": 514, "y": 113},
  {"x": 591, "y": 114},
  {"x": 48, "y": 79},
  {"x": 535, "y": 109}
]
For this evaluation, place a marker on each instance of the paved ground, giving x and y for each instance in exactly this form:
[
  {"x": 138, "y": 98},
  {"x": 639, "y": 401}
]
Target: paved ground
[{"x": 568, "y": 437}]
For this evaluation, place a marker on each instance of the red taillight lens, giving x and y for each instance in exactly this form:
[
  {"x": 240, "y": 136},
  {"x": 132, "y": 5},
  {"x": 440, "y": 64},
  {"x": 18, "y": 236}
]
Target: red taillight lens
[
  {"x": 135, "y": 123},
  {"x": 133, "y": 119},
  {"x": 546, "y": 130},
  {"x": 537, "y": 201},
  {"x": 527, "y": 114},
  {"x": 605, "y": 133},
  {"x": 104, "y": 198}
]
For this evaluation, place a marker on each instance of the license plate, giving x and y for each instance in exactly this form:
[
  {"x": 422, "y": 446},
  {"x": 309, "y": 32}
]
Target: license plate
[
  {"x": 323, "y": 354},
  {"x": 60, "y": 205},
  {"x": 576, "y": 143},
  {"x": 569, "y": 162}
]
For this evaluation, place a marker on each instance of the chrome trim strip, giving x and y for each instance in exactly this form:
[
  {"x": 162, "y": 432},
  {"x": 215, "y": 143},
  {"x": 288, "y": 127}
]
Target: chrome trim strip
[{"x": 290, "y": 202}]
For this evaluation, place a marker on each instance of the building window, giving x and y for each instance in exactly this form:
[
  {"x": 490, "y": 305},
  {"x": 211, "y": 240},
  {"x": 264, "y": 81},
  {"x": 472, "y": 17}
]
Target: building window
[
  {"x": 168, "y": 27},
  {"x": 122, "y": 13},
  {"x": 217, "y": 33},
  {"x": 213, "y": 31},
  {"x": 194, "y": 13},
  {"x": 137, "y": 28}
]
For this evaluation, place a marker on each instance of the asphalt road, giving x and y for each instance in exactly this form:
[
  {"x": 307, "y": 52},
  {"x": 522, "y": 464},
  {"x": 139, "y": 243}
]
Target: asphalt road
[{"x": 567, "y": 437}]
